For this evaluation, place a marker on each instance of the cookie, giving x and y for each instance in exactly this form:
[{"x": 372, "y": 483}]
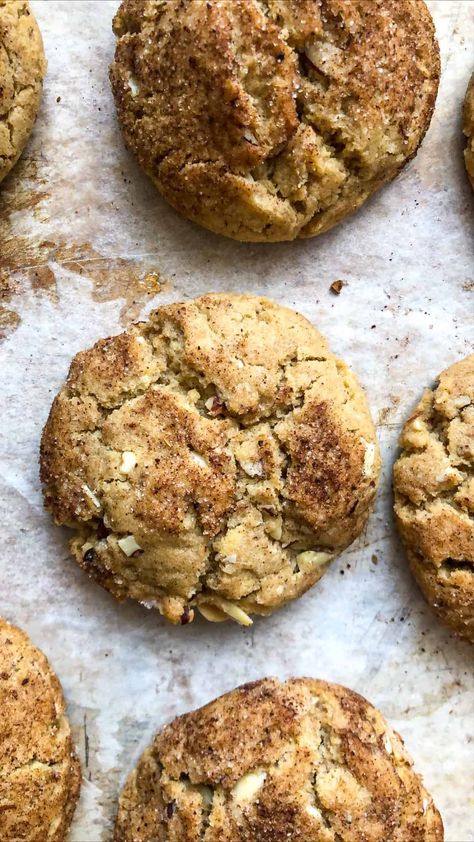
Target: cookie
[
  {"x": 468, "y": 128},
  {"x": 273, "y": 120},
  {"x": 217, "y": 455},
  {"x": 300, "y": 761},
  {"x": 40, "y": 774},
  {"x": 22, "y": 70},
  {"x": 434, "y": 495}
]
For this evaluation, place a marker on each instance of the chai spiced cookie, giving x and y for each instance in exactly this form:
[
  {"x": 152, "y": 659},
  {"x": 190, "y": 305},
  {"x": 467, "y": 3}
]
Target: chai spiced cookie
[
  {"x": 22, "y": 70},
  {"x": 434, "y": 495},
  {"x": 269, "y": 120},
  {"x": 300, "y": 761},
  {"x": 468, "y": 127},
  {"x": 217, "y": 455},
  {"x": 39, "y": 771}
]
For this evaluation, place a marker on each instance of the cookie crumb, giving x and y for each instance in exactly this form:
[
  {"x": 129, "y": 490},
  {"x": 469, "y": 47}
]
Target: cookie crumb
[
  {"x": 152, "y": 282},
  {"x": 336, "y": 287}
]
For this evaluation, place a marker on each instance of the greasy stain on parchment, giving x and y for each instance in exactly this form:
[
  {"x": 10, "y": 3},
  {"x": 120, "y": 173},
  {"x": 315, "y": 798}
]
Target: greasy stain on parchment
[
  {"x": 21, "y": 191},
  {"x": 29, "y": 266},
  {"x": 134, "y": 279}
]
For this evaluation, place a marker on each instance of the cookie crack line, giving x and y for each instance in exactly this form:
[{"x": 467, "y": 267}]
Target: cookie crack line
[
  {"x": 425, "y": 505},
  {"x": 456, "y": 564},
  {"x": 46, "y": 766}
]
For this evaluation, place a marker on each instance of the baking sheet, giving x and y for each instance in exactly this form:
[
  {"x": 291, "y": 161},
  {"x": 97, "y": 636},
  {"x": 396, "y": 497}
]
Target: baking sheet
[{"x": 86, "y": 245}]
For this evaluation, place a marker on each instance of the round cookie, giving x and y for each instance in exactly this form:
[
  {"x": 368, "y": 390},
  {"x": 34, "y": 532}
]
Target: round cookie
[
  {"x": 303, "y": 761},
  {"x": 40, "y": 774},
  {"x": 434, "y": 495},
  {"x": 468, "y": 128},
  {"x": 216, "y": 455},
  {"x": 22, "y": 69},
  {"x": 271, "y": 120}
]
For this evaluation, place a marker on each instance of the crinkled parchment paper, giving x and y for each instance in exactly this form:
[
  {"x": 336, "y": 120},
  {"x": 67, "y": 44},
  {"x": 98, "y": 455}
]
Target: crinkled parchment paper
[{"x": 86, "y": 245}]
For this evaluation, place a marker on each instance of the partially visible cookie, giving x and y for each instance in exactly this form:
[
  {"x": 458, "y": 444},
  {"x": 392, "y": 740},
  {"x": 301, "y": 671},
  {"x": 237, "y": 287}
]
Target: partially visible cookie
[
  {"x": 434, "y": 495},
  {"x": 22, "y": 69},
  {"x": 39, "y": 772},
  {"x": 300, "y": 761},
  {"x": 468, "y": 127},
  {"x": 273, "y": 120},
  {"x": 217, "y": 455}
]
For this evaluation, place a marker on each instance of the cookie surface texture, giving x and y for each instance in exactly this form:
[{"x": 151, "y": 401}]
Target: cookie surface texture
[
  {"x": 268, "y": 120},
  {"x": 22, "y": 69},
  {"x": 216, "y": 455},
  {"x": 434, "y": 495},
  {"x": 40, "y": 774},
  {"x": 303, "y": 761},
  {"x": 468, "y": 127}
]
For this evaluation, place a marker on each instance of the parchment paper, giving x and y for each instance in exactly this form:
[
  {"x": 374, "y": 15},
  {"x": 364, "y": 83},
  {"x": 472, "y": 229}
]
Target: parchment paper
[{"x": 86, "y": 244}]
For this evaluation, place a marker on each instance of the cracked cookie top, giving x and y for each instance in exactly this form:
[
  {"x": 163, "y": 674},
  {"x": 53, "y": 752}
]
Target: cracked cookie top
[
  {"x": 468, "y": 127},
  {"x": 22, "y": 69},
  {"x": 434, "y": 495},
  {"x": 273, "y": 119},
  {"x": 216, "y": 455},
  {"x": 300, "y": 761},
  {"x": 40, "y": 774}
]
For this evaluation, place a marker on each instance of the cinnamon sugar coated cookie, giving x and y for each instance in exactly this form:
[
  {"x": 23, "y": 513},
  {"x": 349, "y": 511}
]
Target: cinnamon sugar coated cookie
[
  {"x": 468, "y": 127},
  {"x": 40, "y": 774},
  {"x": 268, "y": 120},
  {"x": 22, "y": 69},
  {"x": 434, "y": 495},
  {"x": 303, "y": 761},
  {"x": 217, "y": 455}
]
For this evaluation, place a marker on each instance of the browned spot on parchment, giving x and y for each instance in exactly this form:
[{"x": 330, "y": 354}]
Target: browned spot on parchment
[
  {"x": 43, "y": 278},
  {"x": 23, "y": 189},
  {"x": 9, "y": 321},
  {"x": 13, "y": 282},
  {"x": 111, "y": 277},
  {"x": 27, "y": 265},
  {"x": 16, "y": 254},
  {"x": 134, "y": 279},
  {"x": 387, "y": 413}
]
